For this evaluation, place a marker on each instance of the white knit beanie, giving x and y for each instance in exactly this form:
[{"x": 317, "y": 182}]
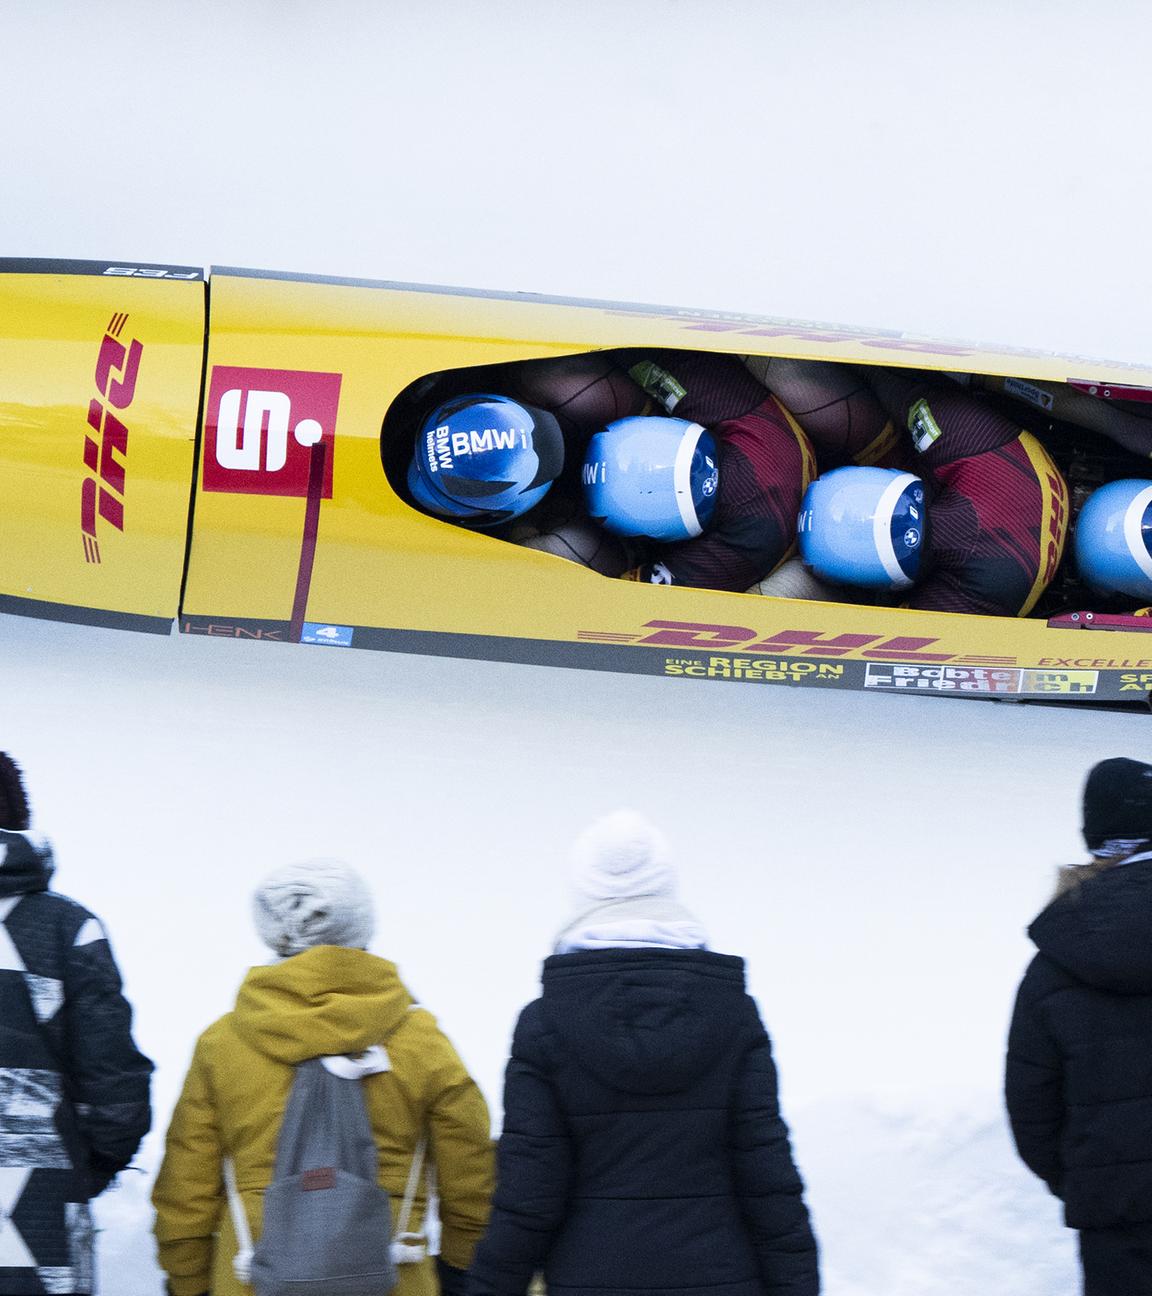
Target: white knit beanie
[
  {"x": 315, "y": 902},
  {"x": 620, "y": 857}
]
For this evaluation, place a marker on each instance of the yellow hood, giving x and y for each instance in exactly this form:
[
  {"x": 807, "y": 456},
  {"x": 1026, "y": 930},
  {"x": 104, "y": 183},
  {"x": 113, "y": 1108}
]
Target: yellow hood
[{"x": 327, "y": 1000}]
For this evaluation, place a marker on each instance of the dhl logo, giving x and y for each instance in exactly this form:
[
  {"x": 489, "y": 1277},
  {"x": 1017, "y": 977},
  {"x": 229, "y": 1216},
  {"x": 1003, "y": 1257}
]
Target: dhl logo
[
  {"x": 106, "y": 452},
  {"x": 708, "y": 637},
  {"x": 1057, "y": 523}
]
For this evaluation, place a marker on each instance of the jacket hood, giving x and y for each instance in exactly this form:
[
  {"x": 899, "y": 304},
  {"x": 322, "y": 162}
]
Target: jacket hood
[
  {"x": 26, "y": 862},
  {"x": 1101, "y": 931},
  {"x": 645, "y": 1021},
  {"x": 325, "y": 1001}
]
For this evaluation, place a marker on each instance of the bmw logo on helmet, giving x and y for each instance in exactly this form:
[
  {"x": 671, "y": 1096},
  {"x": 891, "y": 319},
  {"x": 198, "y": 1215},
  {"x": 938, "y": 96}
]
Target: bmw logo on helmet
[
  {"x": 864, "y": 526},
  {"x": 484, "y": 459},
  {"x": 652, "y": 476}
]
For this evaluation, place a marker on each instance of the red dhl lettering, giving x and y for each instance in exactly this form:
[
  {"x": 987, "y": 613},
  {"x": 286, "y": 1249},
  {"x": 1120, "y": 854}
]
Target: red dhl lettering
[
  {"x": 697, "y": 634},
  {"x": 105, "y": 454}
]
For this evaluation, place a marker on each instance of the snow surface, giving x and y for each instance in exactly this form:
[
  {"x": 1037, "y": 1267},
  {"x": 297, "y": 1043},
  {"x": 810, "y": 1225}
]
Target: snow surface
[
  {"x": 969, "y": 170},
  {"x": 874, "y": 858}
]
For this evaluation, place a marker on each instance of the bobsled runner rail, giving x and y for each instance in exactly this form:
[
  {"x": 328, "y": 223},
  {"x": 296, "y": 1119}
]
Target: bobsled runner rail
[{"x": 241, "y": 474}]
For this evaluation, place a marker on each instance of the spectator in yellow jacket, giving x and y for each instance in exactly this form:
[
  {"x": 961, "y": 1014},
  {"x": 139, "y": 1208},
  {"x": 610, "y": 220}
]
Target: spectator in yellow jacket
[{"x": 325, "y": 995}]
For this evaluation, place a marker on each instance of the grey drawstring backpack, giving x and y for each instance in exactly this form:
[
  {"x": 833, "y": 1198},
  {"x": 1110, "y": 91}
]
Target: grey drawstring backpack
[{"x": 327, "y": 1223}]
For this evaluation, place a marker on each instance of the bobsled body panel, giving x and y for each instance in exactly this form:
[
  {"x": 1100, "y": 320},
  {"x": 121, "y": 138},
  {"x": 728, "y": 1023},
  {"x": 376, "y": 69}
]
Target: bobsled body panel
[
  {"x": 302, "y": 538},
  {"x": 298, "y": 535},
  {"x": 100, "y": 375}
]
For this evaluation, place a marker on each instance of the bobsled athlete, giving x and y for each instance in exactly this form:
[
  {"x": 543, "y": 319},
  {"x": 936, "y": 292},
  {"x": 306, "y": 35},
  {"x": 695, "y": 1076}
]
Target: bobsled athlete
[
  {"x": 484, "y": 460},
  {"x": 837, "y": 408},
  {"x": 835, "y": 405},
  {"x": 1078, "y": 1084},
  {"x": 643, "y": 1149},
  {"x": 977, "y": 525},
  {"x": 1113, "y": 539},
  {"x": 693, "y": 466},
  {"x": 490, "y": 443}
]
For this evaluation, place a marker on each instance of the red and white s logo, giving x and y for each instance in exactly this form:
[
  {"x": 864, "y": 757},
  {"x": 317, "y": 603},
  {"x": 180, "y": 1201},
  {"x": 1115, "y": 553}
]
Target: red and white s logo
[{"x": 260, "y": 428}]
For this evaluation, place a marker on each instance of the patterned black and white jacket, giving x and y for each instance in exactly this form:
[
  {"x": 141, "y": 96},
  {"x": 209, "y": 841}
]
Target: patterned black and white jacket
[{"x": 73, "y": 1086}]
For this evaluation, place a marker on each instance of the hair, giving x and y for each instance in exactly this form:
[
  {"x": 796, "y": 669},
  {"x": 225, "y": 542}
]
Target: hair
[{"x": 15, "y": 813}]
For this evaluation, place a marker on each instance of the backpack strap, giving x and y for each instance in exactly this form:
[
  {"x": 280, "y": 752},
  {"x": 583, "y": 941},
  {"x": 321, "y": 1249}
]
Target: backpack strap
[
  {"x": 242, "y": 1261},
  {"x": 410, "y": 1248}
]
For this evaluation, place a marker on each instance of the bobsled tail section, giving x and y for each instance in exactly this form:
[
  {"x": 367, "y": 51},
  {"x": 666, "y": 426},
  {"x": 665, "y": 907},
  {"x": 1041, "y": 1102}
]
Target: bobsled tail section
[
  {"x": 100, "y": 370},
  {"x": 251, "y": 481}
]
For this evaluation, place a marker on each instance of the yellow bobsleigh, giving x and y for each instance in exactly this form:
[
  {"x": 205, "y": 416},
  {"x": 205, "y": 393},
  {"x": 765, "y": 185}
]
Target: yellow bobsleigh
[{"x": 207, "y": 451}]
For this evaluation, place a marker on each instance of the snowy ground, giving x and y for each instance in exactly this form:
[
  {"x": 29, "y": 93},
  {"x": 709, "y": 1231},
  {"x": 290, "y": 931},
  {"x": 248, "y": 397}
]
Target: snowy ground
[
  {"x": 172, "y": 773},
  {"x": 968, "y": 169}
]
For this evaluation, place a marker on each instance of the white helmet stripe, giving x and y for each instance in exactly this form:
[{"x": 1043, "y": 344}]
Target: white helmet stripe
[
  {"x": 882, "y": 530},
  {"x": 1133, "y": 536},
  {"x": 682, "y": 479}
]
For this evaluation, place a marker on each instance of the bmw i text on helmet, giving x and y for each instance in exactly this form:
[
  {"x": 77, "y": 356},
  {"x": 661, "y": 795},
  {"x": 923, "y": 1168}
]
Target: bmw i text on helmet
[
  {"x": 484, "y": 459},
  {"x": 652, "y": 476}
]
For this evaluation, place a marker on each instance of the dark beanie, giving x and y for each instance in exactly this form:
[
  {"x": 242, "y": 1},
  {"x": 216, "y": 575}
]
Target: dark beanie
[
  {"x": 15, "y": 814},
  {"x": 1117, "y": 806}
]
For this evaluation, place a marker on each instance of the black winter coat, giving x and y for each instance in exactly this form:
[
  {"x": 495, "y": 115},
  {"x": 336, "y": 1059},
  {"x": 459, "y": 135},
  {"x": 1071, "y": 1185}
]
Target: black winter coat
[
  {"x": 73, "y": 1087},
  {"x": 643, "y": 1148},
  {"x": 1079, "y": 1074}
]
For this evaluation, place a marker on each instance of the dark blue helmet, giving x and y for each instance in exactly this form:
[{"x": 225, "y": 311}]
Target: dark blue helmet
[{"x": 484, "y": 459}]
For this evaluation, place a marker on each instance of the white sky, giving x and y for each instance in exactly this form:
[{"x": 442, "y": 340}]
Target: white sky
[{"x": 974, "y": 169}]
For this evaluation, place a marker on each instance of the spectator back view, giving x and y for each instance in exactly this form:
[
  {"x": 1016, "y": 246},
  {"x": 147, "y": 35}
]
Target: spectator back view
[
  {"x": 1078, "y": 1081},
  {"x": 325, "y": 997},
  {"x": 73, "y": 1086},
  {"x": 643, "y": 1149}
]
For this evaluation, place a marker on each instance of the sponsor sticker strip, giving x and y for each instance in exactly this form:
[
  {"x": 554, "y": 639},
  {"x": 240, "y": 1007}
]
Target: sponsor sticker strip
[{"x": 980, "y": 679}]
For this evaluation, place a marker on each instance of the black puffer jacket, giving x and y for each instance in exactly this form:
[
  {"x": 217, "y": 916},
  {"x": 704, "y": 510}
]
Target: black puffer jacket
[
  {"x": 643, "y": 1149},
  {"x": 73, "y": 1086},
  {"x": 1079, "y": 1074}
]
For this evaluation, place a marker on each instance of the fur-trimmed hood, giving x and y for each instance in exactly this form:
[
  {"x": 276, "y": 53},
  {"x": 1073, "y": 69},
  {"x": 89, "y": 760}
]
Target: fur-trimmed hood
[{"x": 1100, "y": 931}]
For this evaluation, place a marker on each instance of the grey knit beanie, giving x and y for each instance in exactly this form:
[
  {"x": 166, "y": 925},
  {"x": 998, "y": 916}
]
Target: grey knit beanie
[{"x": 315, "y": 902}]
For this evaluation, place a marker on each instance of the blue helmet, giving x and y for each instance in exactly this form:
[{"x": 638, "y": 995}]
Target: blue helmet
[
  {"x": 484, "y": 459},
  {"x": 652, "y": 476},
  {"x": 864, "y": 526},
  {"x": 1113, "y": 538}
]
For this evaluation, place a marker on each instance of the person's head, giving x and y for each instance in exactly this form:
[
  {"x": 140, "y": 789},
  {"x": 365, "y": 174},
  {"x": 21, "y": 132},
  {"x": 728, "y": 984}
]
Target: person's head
[
  {"x": 315, "y": 902},
  {"x": 866, "y": 527},
  {"x": 15, "y": 813},
  {"x": 621, "y": 857},
  {"x": 652, "y": 476},
  {"x": 1113, "y": 539},
  {"x": 1117, "y": 807},
  {"x": 624, "y": 890},
  {"x": 484, "y": 459},
  {"x": 1116, "y": 819}
]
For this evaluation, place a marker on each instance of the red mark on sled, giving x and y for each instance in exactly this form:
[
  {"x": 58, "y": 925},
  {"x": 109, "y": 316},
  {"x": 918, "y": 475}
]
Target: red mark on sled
[
  {"x": 105, "y": 452},
  {"x": 273, "y": 432}
]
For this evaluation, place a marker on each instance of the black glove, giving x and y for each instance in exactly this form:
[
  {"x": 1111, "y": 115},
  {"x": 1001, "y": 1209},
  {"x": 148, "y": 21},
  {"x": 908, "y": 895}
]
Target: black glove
[{"x": 453, "y": 1281}]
